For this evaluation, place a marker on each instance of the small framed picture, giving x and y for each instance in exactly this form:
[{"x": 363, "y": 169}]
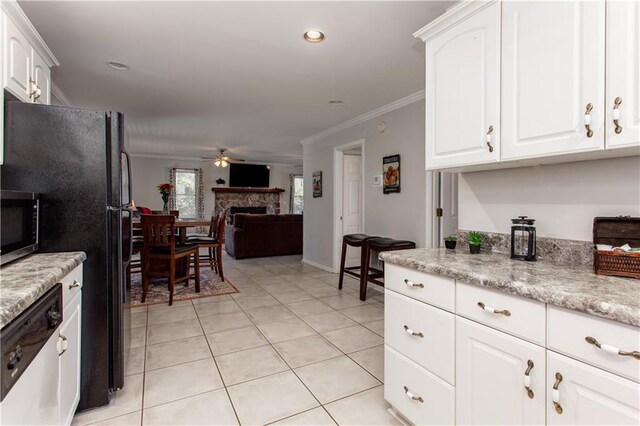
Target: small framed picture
[
  {"x": 391, "y": 174},
  {"x": 377, "y": 180},
  {"x": 317, "y": 184}
]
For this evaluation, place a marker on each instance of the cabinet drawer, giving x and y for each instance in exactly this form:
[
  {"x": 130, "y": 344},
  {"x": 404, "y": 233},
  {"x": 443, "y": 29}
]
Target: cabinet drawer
[
  {"x": 71, "y": 285},
  {"x": 568, "y": 330},
  {"x": 429, "y": 288},
  {"x": 403, "y": 379},
  {"x": 422, "y": 333},
  {"x": 525, "y": 319}
]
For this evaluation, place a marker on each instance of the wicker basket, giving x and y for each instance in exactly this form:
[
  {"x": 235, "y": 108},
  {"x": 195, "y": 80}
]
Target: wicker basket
[{"x": 617, "y": 231}]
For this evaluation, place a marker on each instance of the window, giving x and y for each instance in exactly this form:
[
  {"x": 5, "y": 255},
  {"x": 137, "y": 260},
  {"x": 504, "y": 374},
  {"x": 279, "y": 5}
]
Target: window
[
  {"x": 297, "y": 195},
  {"x": 186, "y": 196}
]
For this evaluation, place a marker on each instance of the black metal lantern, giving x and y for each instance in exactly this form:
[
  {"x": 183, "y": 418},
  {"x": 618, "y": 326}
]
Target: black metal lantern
[{"x": 523, "y": 239}]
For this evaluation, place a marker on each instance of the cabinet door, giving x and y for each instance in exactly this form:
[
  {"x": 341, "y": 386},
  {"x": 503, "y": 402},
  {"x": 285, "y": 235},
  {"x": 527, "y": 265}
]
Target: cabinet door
[
  {"x": 623, "y": 71},
  {"x": 69, "y": 361},
  {"x": 462, "y": 92},
  {"x": 588, "y": 395},
  {"x": 491, "y": 369},
  {"x": 17, "y": 58},
  {"x": 42, "y": 78},
  {"x": 551, "y": 70}
]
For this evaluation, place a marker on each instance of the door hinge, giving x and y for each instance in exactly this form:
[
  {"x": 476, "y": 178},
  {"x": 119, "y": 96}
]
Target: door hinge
[{"x": 439, "y": 212}]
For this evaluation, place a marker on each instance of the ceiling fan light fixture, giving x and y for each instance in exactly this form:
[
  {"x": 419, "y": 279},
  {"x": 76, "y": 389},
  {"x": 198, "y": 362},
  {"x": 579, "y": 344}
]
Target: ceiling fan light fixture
[
  {"x": 217, "y": 163},
  {"x": 224, "y": 163},
  {"x": 313, "y": 36}
]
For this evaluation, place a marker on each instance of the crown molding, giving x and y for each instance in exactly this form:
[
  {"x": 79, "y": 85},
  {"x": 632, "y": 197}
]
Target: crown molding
[
  {"x": 407, "y": 100},
  {"x": 55, "y": 91},
  {"x": 203, "y": 161},
  {"x": 20, "y": 19}
]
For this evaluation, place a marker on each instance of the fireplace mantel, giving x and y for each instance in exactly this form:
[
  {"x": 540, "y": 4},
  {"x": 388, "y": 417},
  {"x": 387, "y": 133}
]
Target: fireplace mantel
[{"x": 226, "y": 190}]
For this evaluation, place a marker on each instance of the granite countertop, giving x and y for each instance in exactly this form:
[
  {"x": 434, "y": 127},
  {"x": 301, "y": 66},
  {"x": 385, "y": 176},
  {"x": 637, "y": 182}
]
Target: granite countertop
[
  {"x": 23, "y": 282},
  {"x": 567, "y": 286}
]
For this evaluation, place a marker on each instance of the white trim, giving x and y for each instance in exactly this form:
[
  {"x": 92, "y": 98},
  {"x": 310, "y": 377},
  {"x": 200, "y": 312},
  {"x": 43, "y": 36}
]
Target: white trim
[
  {"x": 20, "y": 19},
  {"x": 407, "y": 100},
  {"x": 317, "y": 265},
  {"x": 338, "y": 158},
  {"x": 55, "y": 91},
  {"x": 203, "y": 161}
]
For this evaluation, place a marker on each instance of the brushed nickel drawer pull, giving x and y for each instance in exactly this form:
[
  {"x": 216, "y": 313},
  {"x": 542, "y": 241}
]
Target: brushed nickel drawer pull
[
  {"x": 62, "y": 344},
  {"x": 489, "y": 309},
  {"x": 412, "y": 396},
  {"x": 74, "y": 285},
  {"x": 555, "y": 394},
  {"x": 587, "y": 119},
  {"x": 611, "y": 349},
  {"x": 616, "y": 114},
  {"x": 413, "y": 333},
  {"x": 527, "y": 379},
  {"x": 489, "y": 138},
  {"x": 412, "y": 284}
]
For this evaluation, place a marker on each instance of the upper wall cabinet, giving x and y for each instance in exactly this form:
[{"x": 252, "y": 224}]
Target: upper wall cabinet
[
  {"x": 27, "y": 59},
  {"x": 552, "y": 78},
  {"x": 513, "y": 84},
  {"x": 622, "y": 103},
  {"x": 463, "y": 86}
]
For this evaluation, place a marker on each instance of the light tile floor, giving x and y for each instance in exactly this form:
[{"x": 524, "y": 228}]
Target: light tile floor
[{"x": 290, "y": 348}]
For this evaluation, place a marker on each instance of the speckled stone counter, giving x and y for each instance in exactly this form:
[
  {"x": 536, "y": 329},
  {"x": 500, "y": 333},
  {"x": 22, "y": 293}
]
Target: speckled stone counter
[
  {"x": 22, "y": 282},
  {"x": 572, "y": 287}
]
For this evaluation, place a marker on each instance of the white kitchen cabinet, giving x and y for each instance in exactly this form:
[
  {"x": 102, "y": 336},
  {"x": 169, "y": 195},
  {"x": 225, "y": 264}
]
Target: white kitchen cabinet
[
  {"x": 623, "y": 74},
  {"x": 552, "y": 71},
  {"x": 463, "y": 87},
  {"x": 69, "y": 360},
  {"x": 587, "y": 395},
  {"x": 493, "y": 371},
  {"x": 17, "y": 61},
  {"x": 42, "y": 79}
]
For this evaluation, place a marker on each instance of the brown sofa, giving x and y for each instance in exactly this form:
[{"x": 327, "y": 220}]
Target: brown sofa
[{"x": 256, "y": 235}]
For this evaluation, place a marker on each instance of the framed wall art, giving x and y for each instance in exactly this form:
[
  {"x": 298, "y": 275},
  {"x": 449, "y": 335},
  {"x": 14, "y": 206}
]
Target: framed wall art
[
  {"x": 317, "y": 184},
  {"x": 391, "y": 174}
]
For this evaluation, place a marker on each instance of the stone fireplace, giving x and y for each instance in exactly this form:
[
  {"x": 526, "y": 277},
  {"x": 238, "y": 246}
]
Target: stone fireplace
[{"x": 248, "y": 197}]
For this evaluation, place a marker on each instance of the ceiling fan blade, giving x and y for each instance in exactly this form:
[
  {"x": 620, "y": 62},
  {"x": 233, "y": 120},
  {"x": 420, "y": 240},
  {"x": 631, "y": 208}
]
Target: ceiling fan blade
[{"x": 239, "y": 160}]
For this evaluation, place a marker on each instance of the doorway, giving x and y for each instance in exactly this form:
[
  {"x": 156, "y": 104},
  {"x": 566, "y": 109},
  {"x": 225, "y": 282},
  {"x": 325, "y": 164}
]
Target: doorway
[
  {"x": 348, "y": 198},
  {"x": 446, "y": 202}
]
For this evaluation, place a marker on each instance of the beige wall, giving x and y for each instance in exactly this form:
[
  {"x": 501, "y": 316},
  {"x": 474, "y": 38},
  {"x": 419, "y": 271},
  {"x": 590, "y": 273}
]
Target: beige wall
[
  {"x": 148, "y": 172},
  {"x": 395, "y": 215},
  {"x": 563, "y": 198}
]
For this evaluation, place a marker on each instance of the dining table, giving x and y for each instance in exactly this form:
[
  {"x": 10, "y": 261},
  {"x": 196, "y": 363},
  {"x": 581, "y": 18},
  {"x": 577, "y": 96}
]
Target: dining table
[{"x": 181, "y": 224}]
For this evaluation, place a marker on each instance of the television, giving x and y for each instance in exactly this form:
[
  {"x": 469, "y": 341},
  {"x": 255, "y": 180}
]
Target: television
[{"x": 248, "y": 175}]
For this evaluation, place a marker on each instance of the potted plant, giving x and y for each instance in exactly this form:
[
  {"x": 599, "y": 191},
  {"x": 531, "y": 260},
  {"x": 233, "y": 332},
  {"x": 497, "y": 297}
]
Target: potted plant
[
  {"x": 450, "y": 242},
  {"x": 475, "y": 241},
  {"x": 220, "y": 181}
]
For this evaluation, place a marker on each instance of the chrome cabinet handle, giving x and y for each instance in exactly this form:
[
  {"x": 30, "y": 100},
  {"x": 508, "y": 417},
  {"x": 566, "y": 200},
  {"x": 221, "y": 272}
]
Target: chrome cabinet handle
[
  {"x": 616, "y": 114},
  {"x": 587, "y": 119},
  {"x": 491, "y": 310},
  {"x": 412, "y": 284},
  {"x": 489, "y": 138},
  {"x": 555, "y": 394},
  {"x": 412, "y": 396},
  {"x": 74, "y": 285},
  {"x": 413, "y": 333},
  {"x": 527, "y": 379},
  {"x": 611, "y": 349},
  {"x": 62, "y": 344}
]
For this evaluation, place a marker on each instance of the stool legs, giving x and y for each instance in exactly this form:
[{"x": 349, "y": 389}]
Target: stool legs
[
  {"x": 364, "y": 274},
  {"x": 343, "y": 257}
]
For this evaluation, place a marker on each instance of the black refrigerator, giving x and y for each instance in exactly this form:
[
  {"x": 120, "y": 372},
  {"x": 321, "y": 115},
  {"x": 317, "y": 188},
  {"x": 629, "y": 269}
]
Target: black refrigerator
[{"x": 76, "y": 160}]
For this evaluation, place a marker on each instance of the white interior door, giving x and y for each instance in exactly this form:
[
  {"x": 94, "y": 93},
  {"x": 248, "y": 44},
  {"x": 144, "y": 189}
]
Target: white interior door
[{"x": 352, "y": 202}]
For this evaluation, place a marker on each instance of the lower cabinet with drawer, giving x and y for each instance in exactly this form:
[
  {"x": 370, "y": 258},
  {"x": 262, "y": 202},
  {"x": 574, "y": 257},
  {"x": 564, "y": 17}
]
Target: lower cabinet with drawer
[{"x": 496, "y": 358}]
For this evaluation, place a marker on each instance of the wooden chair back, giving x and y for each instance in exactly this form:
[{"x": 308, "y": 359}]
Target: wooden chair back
[
  {"x": 220, "y": 228},
  {"x": 158, "y": 230},
  {"x": 213, "y": 226}
]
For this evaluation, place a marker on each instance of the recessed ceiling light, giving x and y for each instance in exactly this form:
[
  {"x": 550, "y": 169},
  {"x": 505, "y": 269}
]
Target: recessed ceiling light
[
  {"x": 335, "y": 102},
  {"x": 118, "y": 65},
  {"x": 313, "y": 36}
]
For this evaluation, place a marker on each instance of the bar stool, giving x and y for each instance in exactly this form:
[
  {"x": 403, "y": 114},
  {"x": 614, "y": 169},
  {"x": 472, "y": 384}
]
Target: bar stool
[
  {"x": 352, "y": 240},
  {"x": 378, "y": 245}
]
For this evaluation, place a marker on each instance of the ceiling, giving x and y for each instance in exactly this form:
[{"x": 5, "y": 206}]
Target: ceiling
[{"x": 206, "y": 75}]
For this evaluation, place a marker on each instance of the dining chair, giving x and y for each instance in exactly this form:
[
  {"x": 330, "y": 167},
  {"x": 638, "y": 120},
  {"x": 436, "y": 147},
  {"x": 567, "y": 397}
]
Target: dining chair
[
  {"x": 212, "y": 242},
  {"x": 162, "y": 257}
]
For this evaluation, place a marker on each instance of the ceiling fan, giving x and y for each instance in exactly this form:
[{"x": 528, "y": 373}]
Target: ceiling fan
[{"x": 222, "y": 160}]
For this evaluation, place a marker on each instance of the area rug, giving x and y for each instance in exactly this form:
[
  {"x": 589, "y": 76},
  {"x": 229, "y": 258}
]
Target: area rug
[{"x": 158, "y": 292}]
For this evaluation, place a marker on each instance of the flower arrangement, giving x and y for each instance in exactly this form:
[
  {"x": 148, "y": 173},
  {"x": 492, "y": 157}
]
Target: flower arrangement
[{"x": 165, "y": 190}]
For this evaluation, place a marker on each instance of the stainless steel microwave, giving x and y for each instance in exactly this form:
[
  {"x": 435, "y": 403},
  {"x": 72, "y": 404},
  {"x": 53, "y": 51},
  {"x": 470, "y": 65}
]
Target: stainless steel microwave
[{"x": 19, "y": 220}]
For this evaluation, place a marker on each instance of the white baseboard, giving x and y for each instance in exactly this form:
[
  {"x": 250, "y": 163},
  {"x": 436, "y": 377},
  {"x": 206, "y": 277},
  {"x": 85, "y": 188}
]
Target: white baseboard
[{"x": 317, "y": 265}]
